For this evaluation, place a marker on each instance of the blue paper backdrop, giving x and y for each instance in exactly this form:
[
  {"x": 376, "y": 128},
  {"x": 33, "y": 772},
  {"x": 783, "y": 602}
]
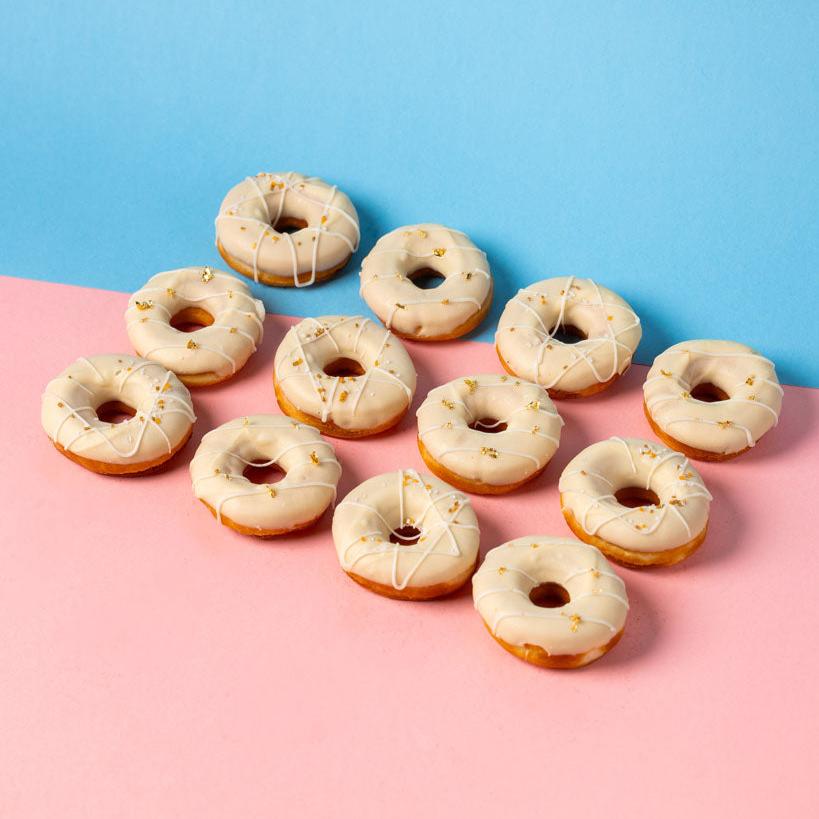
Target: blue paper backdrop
[{"x": 668, "y": 150}]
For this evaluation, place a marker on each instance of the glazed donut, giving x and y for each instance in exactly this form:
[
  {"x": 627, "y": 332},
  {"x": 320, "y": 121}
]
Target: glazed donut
[
  {"x": 554, "y": 602},
  {"x": 712, "y": 400},
  {"x": 448, "y": 311},
  {"x": 78, "y": 401},
  {"x": 344, "y": 375},
  {"x": 638, "y": 502},
  {"x": 406, "y": 536},
  {"x": 295, "y": 502},
  {"x": 229, "y": 319},
  {"x": 488, "y": 433},
  {"x": 528, "y": 345},
  {"x": 253, "y": 237}
]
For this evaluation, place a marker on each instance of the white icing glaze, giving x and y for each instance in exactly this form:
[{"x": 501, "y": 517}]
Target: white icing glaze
[
  {"x": 364, "y": 521},
  {"x": 526, "y": 341},
  {"x": 591, "y": 479},
  {"x": 305, "y": 491},
  {"x": 221, "y": 348},
  {"x": 163, "y": 417},
  {"x": 595, "y": 613},
  {"x": 387, "y": 288},
  {"x": 364, "y": 402},
  {"x": 529, "y": 441},
  {"x": 244, "y": 226},
  {"x": 729, "y": 426}
]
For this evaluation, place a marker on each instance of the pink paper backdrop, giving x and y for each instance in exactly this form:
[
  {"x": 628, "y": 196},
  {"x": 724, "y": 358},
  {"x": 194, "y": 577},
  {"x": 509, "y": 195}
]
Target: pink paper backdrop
[{"x": 155, "y": 664}]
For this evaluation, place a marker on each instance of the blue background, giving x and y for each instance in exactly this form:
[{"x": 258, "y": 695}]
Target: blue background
[{"x": 668, "y": 150}]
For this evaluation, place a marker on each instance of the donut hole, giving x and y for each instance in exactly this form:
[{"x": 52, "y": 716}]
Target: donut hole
[
  {"x": 635, "y": 496},
  {"x": 191, "y": 319},
  {"x": 425, "y": 278},
  {"x": 263, "y": 472},
  {"x": 289, "y": 224},
  {"x": 569, "y": 334},
  {"x": 115, "y": 412},
  {"x": 549, "y": 595},
  {"x": 709, "y": 393},
  {"x": 344, "y": 368},
  {"x": 405, "y": 535},
  {"x": 488, "y": 425}
]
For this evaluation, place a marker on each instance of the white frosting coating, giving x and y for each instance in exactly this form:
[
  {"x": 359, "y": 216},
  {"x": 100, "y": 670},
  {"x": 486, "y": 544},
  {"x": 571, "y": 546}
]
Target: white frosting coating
[
  {"x": 364, "y": 521},
  {"x": 387, "y": 288},
  {"x": 383, "y": 392},
  {"x": 596, "y": 610},
  {"x": 526, "y": 341},
  {"x": 529, "y": 441},
  {"x": 729, "y": 426},
  {"x": 221, "y": 348},
  {"x": 308, "y": 460},
  {"x": 591, "y": 479},
  {"x": 163, "y": 410},
  {"x": 244, "y": 226}
]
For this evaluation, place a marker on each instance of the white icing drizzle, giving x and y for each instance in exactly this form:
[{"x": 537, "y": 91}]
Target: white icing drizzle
[
  {"x": 526, "y": 334},
  {"x": 308, "y": 460},
  {"x": 725, "y": 427},
  {"x": 529, "y": 441},
  {"x": 163, "y": 410},
  {"x": 364, "y": 402},
  {"x": 246, "y": 232},
  {"x": 378, "y": 508},
  {"x": 597, "y": 605},
  {"x": 387, "y": 286},
  {"x": 590, "y": 480}
]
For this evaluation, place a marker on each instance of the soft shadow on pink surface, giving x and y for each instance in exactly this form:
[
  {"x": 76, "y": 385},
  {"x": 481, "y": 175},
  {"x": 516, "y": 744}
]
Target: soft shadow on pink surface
[{"x": 145, "y": 643}]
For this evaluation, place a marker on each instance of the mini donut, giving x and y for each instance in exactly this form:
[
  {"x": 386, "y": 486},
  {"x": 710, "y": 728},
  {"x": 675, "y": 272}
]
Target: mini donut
[
  {"x": 638, "y": 502},
  {"x": 297, "y": 501},
  {"x": 528, "y": 344},
  {"x": 553, "y": 602},
  {"x": 407, "y": 536},
  {"x": 344, "y": 375},
  {"x": 230, "y": 319},
  {"x": 452, "y": 309},
  {"x": 253, "y": 229},
  {"x": 712, "y": 400},
  {"x": 158, "y": 403},
  {"x": 488, "y": 433}
]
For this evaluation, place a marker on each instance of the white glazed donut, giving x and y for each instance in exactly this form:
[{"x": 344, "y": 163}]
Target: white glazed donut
[
  {"x": 230, "y": 318},
  {"x": 639, "y": 502},
  {"x": 712, "y": 400},
  {"x": 345, "y": 375},
  {"x": 297, "y": 501},
  {"x": 554, "y": 602},
  {"x": 251, "y": 228},
  {"x": 158, "y": 402},
  {"x": 488, "y": 433},
  {"x": 609, "y": 332},
  {"x": 407, "y": 535},
  {"x": 448, "y": 311}
]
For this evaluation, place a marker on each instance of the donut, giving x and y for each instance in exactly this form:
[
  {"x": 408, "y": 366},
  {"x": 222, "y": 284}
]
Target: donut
[
  {"x": 553, "y": 602},
  {"x": 407, "y": 536},
  {"x": 403, "y": 258},
  {"x": 83, "y": 405},
  {"x": 286, "y": 230},
  {"x": 711, "y": 400},
  {"x": 228, "y": 318},
  {"x": 488, "y": 434},
  {"x": 572, "y": 336},
  {"x": 344, "y": 375},
  {"x": 639, "y": 502},
  {"x": 297, "y": 501}
]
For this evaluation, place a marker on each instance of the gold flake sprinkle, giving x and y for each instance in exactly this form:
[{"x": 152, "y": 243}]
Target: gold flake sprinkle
[
  {"x": 501, "y": 569},
  {"x": 752, "y": 397},
  {"x": 313, "y": 457},
  {"x": 575, "y": 620},
  {"x": 535, "y": 545},
  {"x": 439, "y": 251},
  {"x": 343, "y": 395},
  {"x": 400, "y": 306},
  {"x": 297, "y": 362},
  {"x": 191, "y": 345},
  {"x": 535, "y": 429},
  {"x": 468, "y": 275},
  {"x": 490, "y": 451},
  {"x": 675, "y": 501},
  {"x": 207, "y": 274},
  {"x": 170, "y": 291},
  {"x": 233, "y": 330},
  {"x": 216, "y": 471},
  {"x": 60, "y": 404},
  {"x": 609, "y": 318},
  {"x": 445, "y": 402},
  {"x": 167, "y": 387},
  {"x": 323, "y": 220},
  {"x": 448, "y": 425},
  {"x": 725, "y": 424},
  {"x": 750, "y": 380},
  {"x": 444, "y": 301},
  {"x": 686, "y": 476},
  {"x": 156, "y": 419},
  {"x": 271, "y": 491},
  {"x": 666, "y": 373},
  {"x": 471, "y": 383},
  {"x": 144, "y": 305},
  {"x": 595, "y": 573},
  {"x": 533, "y": 405}
]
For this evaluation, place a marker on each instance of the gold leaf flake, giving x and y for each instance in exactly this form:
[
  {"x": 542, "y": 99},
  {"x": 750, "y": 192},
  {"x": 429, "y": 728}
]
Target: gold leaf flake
[
  {"x": 144, "y": 305},
  {"x": 471, "y": 383},
  {"x": 501, "y": 569},
  {"x": 343, "y": 395},
  {"x": 297, "y": 362},
  {"x": 439, "y": 251},
  {"x": 489, "y": 451},
  {"x": 533, "y": 405},
  {"x": 750, "y": 380},
  {"x": 313, "y": 457},
  {"x": 191, "y": 345},
  {"x": 171, "y": 292},
  {"x": 666, "y": 373},
  {"x": 207, "y": 274},
  {"x": 447, "y": 403},
  {"x": 271, "y": 491},
  {"x": 575, "y": 620},
  {"x": 725, "y": 424}
]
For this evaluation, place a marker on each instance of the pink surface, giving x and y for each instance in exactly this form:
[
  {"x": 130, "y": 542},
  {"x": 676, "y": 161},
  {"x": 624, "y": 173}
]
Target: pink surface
[{"x": 156, "y": 664}]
